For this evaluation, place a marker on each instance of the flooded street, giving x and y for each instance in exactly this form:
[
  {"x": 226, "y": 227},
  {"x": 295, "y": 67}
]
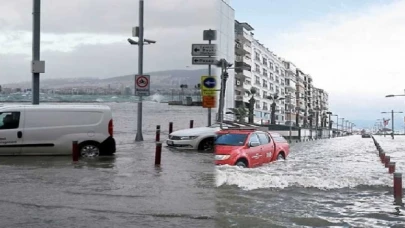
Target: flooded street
[
  {"x": 333, "y": 182},
  {"x": 126, "y": 190}
]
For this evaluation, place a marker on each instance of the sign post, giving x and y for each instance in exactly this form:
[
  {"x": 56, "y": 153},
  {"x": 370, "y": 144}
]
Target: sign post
[{"x": 208, "y": 51}]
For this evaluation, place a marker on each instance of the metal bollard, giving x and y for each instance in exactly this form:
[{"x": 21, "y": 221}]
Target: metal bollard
[
  {"x": 157, "y": 133},
  {"x": 387, "y": 161},
  {"x": 75, "y": 151},
  {"x": 170, "y": 127},
  {"x": 398, "y": 188},
  {"x": 382, "y": 157},
  {"x": 391, "y": 167},
  {"x": 158, "y": 153},
  {"x": 191, "y": 123}
]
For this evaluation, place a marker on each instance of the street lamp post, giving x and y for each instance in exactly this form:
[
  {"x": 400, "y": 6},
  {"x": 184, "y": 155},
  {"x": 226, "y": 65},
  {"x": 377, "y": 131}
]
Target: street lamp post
[
  {"x": 139, "y": 32},
  {"x": 392, "y": 121}
]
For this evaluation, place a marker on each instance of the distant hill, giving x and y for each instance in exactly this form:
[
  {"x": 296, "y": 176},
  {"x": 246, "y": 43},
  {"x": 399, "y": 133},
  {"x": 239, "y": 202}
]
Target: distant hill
[{"x": 159, "y": 80}]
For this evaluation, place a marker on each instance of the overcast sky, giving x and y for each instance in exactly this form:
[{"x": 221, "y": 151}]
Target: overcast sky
[
  {"x": 88, "y": 38},
  {"x": 355, "y": 50}
]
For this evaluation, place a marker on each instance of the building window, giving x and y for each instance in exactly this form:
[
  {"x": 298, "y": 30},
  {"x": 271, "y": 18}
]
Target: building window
[
  {"x": 271, "y": 87},
  {"x": 271, "y": 77},
  {"x": 271, "y": 66},
  {"x": 277, "y": 70},
  {"x": 265, "y": 61},
  {"x": 257, "y": 82},
  {"x": 257, "y": 68},
  {"x": 264, "y": 72},
  {"x": 257, "y": 56},
  {"x": 264, "y": 83},
  {"x": 264, "y": 94},
  {"x": 277, "y": 79},
  {"x": 282, "y": 82}
]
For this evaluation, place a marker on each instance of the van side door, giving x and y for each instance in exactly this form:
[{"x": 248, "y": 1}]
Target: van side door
[{"x": 11, "y": 130}]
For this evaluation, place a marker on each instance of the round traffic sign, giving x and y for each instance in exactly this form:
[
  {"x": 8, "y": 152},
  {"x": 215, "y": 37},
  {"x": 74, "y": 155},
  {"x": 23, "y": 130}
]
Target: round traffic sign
[
  {"x": 142, "y": 81},
  {"x": 210, "y": 83}
]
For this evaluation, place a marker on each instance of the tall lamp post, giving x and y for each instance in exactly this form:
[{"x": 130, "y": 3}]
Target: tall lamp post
[
  {"x": 138, "y": 32},
  {"x": 392, "y": 121}
]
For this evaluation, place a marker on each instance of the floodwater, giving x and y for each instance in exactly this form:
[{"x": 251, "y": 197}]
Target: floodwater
[
  {"x": 336, "y": 182},
  {"x": 126, "y": 190}
]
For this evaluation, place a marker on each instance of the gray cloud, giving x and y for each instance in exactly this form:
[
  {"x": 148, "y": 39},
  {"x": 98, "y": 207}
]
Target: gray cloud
[
  {"x": 107, "y": 16},
  {"x": 106, "y": 60}
]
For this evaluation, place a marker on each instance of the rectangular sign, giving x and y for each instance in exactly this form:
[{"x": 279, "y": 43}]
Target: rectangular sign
[
  {"x": 142, "y": 85},
  {"x": 209, "y": 85},
  {"x": 203, "y": 49},
  {"x": 209, "y": 101},
  {"x": 203, "y": 60}
]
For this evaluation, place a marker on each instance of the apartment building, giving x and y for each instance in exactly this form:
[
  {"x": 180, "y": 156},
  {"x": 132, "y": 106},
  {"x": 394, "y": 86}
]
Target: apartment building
[{"x": 271, "y": 75}]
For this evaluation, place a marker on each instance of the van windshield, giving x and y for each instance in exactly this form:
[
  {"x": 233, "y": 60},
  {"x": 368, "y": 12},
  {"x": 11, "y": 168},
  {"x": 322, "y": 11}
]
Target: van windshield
[{"x": 231, "y": 139}]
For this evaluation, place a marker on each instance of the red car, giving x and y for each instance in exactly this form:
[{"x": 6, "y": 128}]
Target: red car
[{"x": 249, "y": 147}]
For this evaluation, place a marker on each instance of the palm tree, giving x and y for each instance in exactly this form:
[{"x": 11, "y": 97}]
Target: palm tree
[
  {"x": 274, "y": 98},
  {"x": 252, "y": 92},
  {"x": 240, "y": 113}
]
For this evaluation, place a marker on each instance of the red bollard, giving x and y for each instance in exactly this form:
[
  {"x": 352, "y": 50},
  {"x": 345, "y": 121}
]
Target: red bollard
[
  {"x": 191, "y": 123},
  {"x": 391, "y": 167},
  {"x": 157, "y": 133},
  {"x": 75, "y": 151},
  {"x": 158, "y": 153},
  {"x": 382, "y": 157},
  {"x": 387, "y": 161},
  {"x": 398, "y": 188},
  {"x": 170, "y": 127}
]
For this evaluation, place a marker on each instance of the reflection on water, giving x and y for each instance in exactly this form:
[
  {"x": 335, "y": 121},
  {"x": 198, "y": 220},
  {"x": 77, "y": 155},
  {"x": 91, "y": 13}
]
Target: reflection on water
[{"x": 124, "y": 190}]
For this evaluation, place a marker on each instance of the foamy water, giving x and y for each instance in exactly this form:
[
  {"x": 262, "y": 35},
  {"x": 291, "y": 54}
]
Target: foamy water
[
  {"x": 326, "y": 183},
  {"x": 325, "y": 164}
]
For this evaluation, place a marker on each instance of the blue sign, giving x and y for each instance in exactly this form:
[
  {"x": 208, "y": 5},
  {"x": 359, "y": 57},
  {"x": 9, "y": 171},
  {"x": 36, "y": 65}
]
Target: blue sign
[{"x": 210, "y": 83}]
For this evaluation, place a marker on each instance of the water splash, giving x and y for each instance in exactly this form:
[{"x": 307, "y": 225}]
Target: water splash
[{"x": 157, "y": 97}]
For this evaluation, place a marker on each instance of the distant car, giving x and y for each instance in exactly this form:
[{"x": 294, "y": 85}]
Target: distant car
[
  {"x": 365, "y": 135},
  {"x": 200, "y": 138},
  {"x": 249, "y": 147}
]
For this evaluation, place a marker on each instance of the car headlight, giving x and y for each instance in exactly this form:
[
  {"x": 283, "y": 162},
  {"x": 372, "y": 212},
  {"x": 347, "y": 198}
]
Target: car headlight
[
  {"x": 221, "y": 157},
  {"x": 188, "y": 137}
]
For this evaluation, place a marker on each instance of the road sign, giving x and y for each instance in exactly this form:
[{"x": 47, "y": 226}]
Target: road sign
[
  {"x": 203, "y": 49},
  {"x": 203, "y": 60},
  {"x": 142, "y": 85},
  {"x": 210, "y": 34},
  {"x": 209, "y": 101},
  {"x": 208, "y": 85}
]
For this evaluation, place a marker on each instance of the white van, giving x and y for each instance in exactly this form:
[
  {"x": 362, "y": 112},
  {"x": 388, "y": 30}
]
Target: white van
[{"x": 51, "y": 129}]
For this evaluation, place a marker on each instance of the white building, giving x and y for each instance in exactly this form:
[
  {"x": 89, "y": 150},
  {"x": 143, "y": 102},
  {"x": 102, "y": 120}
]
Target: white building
[{"x": 226, "y": 42}]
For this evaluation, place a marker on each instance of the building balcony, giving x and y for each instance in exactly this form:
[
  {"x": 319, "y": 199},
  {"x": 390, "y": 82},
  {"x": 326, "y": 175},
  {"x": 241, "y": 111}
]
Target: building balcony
[
  {"x": 239, "y": 97},
  {"x": 242, "y": 66}
]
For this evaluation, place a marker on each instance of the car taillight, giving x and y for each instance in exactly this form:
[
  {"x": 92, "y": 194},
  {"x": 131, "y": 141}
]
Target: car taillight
[{"x": 110, "y": 128}]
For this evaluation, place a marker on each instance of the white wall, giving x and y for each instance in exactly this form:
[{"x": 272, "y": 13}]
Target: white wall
[{"x": 226, "y": 47}]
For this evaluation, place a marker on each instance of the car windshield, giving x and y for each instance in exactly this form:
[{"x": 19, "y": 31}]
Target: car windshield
[{"x": 231, "y": 139}]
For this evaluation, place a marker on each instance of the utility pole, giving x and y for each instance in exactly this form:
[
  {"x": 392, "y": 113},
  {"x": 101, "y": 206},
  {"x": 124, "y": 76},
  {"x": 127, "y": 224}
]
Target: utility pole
[
  {"x": 392, "y": 123},
  {"x": 139, "y": 136},
  {"x": 37, "y": 66},
  {"x": 209, "y": 35}
]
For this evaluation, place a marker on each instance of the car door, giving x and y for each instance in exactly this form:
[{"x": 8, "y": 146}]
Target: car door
[
  {"x": 11, "y": 129},
  {"x": 254, "y": 153},
  {"x": 267, "y": 147}
]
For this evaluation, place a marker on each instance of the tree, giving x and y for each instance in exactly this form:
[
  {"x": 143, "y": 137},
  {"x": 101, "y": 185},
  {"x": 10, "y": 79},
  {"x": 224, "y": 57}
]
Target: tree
[
  {"x": 252, "y": 92},
  {"x": 274, "y": 98},
  {"x": 240, "y": 113}
]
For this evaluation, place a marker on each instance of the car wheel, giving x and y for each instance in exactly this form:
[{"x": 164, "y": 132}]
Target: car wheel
[
  {"x": 280, "y": 157},
  {"x": 241, "y": 164},
  {"x": 206, "y": 145},
  {"x": 89, "y": 150}
]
